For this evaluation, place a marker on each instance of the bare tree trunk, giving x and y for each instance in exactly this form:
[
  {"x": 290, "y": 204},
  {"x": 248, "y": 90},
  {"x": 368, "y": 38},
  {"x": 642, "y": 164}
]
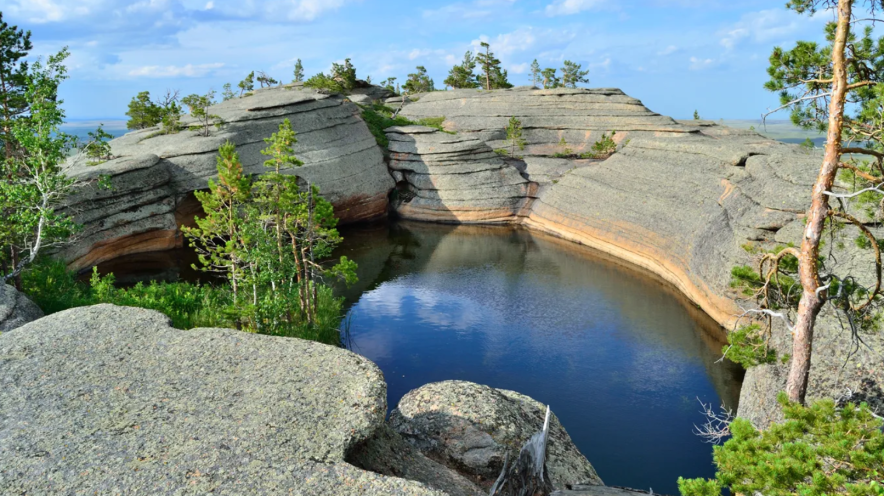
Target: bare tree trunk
[{"x": 811, "y": 300}]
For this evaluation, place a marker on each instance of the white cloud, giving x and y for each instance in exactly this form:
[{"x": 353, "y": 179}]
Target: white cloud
[
  {"x": 668, "y": 50},
  {"x": 522, "y": 68},
  {"x": 169, "y": 71},
  {"x": 699, "y": 64},
  {"x": 765, "y": 27},
  {"x": 569, "y": 7},
  {"x": 466, "y": 11}
]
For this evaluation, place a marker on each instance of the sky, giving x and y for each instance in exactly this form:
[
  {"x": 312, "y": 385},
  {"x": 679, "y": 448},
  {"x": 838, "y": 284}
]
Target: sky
[{"x": 676, "y": 56}]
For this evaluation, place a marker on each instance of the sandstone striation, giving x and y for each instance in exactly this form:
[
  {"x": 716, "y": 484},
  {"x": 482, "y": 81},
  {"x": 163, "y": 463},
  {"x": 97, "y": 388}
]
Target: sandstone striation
[
  {"x": 112, "y": 400},
  {"x": 155, "y": 172},
  {"x": 16, "y": 309},
  {"x": 473, "y": 428},
  {"x": 454, "y": 178}
]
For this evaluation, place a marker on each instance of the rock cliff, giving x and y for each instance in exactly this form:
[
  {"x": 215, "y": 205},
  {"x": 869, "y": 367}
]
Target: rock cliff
[{"x": 154, "y": 173}]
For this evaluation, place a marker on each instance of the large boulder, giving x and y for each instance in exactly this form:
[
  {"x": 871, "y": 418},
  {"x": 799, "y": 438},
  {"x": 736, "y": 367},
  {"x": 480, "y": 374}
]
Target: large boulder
[
  {"x": 454, "y": 178},
  {"x": 113, "y": 400},
  {"x": 155, "y": 173},
  {"x": 472, "y": 428},
  {"x": 16, "y": 309}
]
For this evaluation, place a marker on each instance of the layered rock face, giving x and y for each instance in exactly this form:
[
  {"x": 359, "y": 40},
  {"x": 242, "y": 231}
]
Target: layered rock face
[
  {"x": 579, "y": 116},
  {"x": 454, "y": 178},
  {"x": 339, "y": 153},
  {"x": 112, "y": 400},
  {"x": 16, "y": 309},
  {"x": 474, "y": 428}
]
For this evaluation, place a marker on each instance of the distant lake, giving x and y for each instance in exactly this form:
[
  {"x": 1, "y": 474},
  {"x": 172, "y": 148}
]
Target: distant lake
[{"x": 81, "y": 128}]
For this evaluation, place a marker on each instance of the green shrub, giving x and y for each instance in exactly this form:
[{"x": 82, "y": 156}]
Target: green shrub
[
  {"x": 379, "y": 117},
  {"x": 53, "y": 287},
  {"x": 748, "y": 347},
  {"x": 818, "y": 450}
]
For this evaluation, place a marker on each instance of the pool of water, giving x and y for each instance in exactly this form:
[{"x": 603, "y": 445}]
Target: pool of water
[{"x": 621, "y": 359}]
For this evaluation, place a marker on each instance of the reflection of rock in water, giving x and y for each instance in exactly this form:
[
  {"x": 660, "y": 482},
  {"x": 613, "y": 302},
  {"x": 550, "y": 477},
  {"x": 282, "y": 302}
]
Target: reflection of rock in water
[
  {"x": 386, "y": 252},
  {"x": 170, "y": 266}
]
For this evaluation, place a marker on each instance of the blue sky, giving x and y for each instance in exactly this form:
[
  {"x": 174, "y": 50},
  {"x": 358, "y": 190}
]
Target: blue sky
[{"x": 674, "y": 55}]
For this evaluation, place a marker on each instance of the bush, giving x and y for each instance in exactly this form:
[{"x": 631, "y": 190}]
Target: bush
[
  {"x": 379, "y": 117},
  {"x": 748, "y": 347},
  {"x": 818, "y": 450}
]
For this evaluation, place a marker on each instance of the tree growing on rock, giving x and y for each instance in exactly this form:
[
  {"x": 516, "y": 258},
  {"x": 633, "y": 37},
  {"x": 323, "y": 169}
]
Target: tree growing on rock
[
  {"x": 535, "y": 73},
  {"x": 514, "y": 135},
  {"x": 492, "y": 76},
  {"x": 265, "y": 80},
  {"x": 550, "y": 80},
  {"x": 142, "y": 113},
  {"x": 247, "y": 84},
  {"x": 15, "y": 44},
  {"x": 419, "y": 82},
  {"x": 461, "y": 76},
  {"x": 97, "y": 148},
  {"x": 299, "y": 72},
  {"x": 341, "y": 80},
  {"x": 572, "y": 74},
  {"x": 228, "y": 93},
  {"x": 199, "y": 110},
  {"x": 390, "y": 84},
  {"x": 816, "y": 83}
]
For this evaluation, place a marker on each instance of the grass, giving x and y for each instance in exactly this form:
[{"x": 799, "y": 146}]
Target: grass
[{"x": 380, "y": 117}]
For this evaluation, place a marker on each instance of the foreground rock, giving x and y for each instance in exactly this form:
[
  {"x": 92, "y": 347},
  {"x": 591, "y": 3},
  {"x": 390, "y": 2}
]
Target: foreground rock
[
  {"x": 112, "y": 400},
  {"x": 472, "y": 428},
  {"x": 152, "y": 198},
  {"x": 16, "y": 309},
  {"x": 454, "y": 178}
]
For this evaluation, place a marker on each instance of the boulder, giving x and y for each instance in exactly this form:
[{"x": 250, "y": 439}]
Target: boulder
[
  {"x": 16, "y": 309},
  {"x": 340, "y": 155},
  {"x": 113, "y": 400},
  {"x": 454, "y": 178},
  {"x": 472, "y": 428}
]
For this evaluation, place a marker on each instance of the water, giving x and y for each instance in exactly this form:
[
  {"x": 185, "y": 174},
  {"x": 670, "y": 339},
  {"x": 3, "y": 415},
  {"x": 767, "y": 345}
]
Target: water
[{"x": 621, "y": 360}]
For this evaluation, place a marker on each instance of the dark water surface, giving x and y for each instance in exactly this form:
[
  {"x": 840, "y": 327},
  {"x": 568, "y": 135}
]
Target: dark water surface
[
  {"x": 620, "y": 357},
  {"x": 621, "y": 360}
]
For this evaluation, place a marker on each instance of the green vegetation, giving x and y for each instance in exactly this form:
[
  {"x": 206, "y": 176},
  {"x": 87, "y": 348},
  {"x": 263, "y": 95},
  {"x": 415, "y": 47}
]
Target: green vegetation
[
  {"x": 550, "y": 80},
  {"x": 144, "y": 112},
  {"x": 461, "y": 76},
  {"x": 199, "y": 110},
  {"x": 299, "y": 72},
  {"x": 493, "y": 76},
  {"x": 696, "y": 115},
  {"x": 749, "y": 346},
  {"x": 341, "y": 80},
  {"x": 514, "y": 136},
  {"x": 247, "y": 84},
  {"x": 535, "y": 73},
  {"x": 572, "y": 74},
  {"x": 379, "y": 117},
  {"x": 32, "y": 185},
  {"x": 603, "y": 148},
  {"x": 97, "y": 148},
  {"x": 15, "y": 45},
  {"x": 566, "y": 151},
  {"x": 818, "y": 450},
  {"x": 419, "y": 82},
  {"x": 228, "y": 93},
  {"x": 265, "y": 79}
]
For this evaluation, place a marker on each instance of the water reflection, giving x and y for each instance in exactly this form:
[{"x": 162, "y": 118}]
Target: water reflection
[{"x": 621, "y": 359}]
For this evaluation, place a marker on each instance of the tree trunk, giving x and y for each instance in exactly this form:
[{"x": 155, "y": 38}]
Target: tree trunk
[{"x": 811, "y": 300}]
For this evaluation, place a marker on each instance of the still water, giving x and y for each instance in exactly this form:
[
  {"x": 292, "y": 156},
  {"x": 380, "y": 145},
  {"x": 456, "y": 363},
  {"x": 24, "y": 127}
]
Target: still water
[{"x": 620, "y": 358}]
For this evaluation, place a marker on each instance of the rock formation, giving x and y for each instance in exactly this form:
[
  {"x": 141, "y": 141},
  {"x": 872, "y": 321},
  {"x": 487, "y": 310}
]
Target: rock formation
[
  {"x": 113, "y": 400},
  {"x": 16, "y": 309},
  {"x": 154, "y": 172},
  {"x": 454, "y": 178},
  {"x": 473, "y": 428}
]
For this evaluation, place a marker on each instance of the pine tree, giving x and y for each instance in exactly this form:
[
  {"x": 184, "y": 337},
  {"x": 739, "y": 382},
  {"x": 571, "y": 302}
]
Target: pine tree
[
  {"x": 228, "y": 93},
  {"x": 97, "y": 148},
  {"x": 461, "y": 76},
  {"x": 264, "y": 79},
  {"x": 247, "y": 84},
  {"x": 514, "y": 135},
  {"x": 492, "y": 76},
  {"x": 535, "y": 73},
  {"x": 217, "y": 237},
  {"x": 299, "y": 72},
  {"x": 199, "y": 110},
  {"x": 419, "y": 82},
  {"x": 571, "y": 74},
  {"x": 550, "y": 80},
  {"x": 15, "y": 44},
  {"x": 696, "y": 115},
  {"x": 143, "y": 112}
]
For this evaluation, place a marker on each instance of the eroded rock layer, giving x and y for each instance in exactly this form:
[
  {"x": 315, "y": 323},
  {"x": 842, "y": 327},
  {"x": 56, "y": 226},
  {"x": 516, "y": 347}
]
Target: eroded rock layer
[
  {"x": 340, "y": 155},
  {"x": 112, "y": 400},
  {"x": 579, "y": 116},
  {"x": 454, "y": 178}
]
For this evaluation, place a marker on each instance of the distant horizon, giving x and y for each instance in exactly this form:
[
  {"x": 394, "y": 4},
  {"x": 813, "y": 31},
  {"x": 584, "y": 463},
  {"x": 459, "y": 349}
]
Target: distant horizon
[{"x": 676, "y": 56}]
